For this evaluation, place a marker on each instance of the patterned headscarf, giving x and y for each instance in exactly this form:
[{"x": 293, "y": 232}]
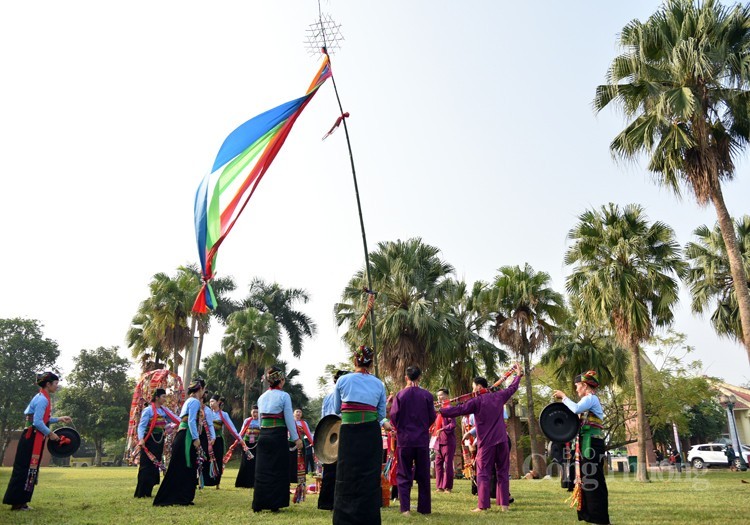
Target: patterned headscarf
[
  {"x": 46, "y": 377},
  {"x": 589, "y": 378},
  {"x": 274, "y": 376},
  {"x": 363, "y": 356},
  {"x": 196, "y": 385}
]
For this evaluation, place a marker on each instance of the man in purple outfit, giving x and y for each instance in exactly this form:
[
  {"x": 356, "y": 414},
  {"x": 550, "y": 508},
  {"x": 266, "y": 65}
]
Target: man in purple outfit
[
  {"x": 412, "y": 413},
  {"x": 445, "y": 432},
  {"x": 492, "y": 438}
]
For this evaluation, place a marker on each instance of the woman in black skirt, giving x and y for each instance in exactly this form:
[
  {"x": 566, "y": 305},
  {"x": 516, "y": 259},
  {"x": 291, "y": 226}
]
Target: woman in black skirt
[
  {"x": 221, "y": 421},
  {"x": 272, "y": 457},
  {"x": 250, "y": 433},
  {"x": 360, "y": 398},
  {"x": 30, "y": 449},
  {"x": 591, "y": 487},
  {"x": 178, "y": 485},
  {"x": 151, "y": 432}
]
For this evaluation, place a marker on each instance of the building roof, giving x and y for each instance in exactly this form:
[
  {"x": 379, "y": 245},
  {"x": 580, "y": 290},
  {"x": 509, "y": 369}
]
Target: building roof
[{"x": 742, "y": 395}]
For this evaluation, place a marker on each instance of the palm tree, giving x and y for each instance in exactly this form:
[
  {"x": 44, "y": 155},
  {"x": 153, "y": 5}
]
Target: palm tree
[
  {"x": 148, "y": 351},
  {"x": 189, "y": 278},
  {"x": 525, "y": 310},
  {"x": 252, "y": 341},
  {"x": 579, "y": 346},
  {"x": 623, "y": 280},
  {"x": 161, "y": 320},
  {"x": 471, "y": 354},
  {"x": 710, "y": 278},
  {"x": 683, "y": 80},
  {"x": 280, "y": 303},
  {"x": 410, "y": 280}
]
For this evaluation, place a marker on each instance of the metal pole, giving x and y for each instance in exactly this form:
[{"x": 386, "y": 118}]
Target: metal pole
[
  {"x": 735, "y": 436},
  {"x": 677, "y": 444},
  {"x": 356, "y": 193}
]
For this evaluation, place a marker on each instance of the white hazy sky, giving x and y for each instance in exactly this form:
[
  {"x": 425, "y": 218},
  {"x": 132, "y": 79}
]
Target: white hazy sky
[{"x": 471, "y": 125}]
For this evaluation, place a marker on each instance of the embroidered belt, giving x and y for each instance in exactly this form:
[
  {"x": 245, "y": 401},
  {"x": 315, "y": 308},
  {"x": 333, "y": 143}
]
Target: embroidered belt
[
  {"x": 353, "y": 417},
  {"x": 271, "y": 422}
]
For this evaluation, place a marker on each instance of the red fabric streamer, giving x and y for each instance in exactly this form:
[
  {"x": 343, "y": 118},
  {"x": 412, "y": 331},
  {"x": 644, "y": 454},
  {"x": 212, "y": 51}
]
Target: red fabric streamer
[{"x": 336, "y": 125}]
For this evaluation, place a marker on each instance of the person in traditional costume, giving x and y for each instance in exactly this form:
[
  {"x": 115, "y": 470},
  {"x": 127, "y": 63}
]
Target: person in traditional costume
[
  {"x": 328, "y": 482},
  {"x": 210, "y": 469},
  {"x": 444, "y": 432},
  {"x": 412, "y": 414},
  {"x": 30, "y": 448},
  {"x": 151, "y": 431},
  {"x": 307, "y": 441},
  {"x": 590, "y": 485},
  {"x": 272, "y": 457},
  {"x": 178, "y": 485},
  {"x": 221, "y": 421},
  {"x": 492, "y": 438},
  {"x": 391, "y": 460},
  {"x": 250, "y": 432},
  {"x": 360, "y": 398}
]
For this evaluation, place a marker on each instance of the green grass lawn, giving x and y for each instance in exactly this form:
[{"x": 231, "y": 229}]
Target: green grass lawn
[{"x": 105, "y": 495}]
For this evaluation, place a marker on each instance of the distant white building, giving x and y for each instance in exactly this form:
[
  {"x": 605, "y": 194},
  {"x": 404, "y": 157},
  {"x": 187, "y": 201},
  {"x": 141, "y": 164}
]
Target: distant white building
[{"x": 741, "y": 409}]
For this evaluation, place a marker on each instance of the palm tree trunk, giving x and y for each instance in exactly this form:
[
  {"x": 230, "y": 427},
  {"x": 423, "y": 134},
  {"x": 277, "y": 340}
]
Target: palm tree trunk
[
  {"x": 537, "y": 458},
  {"x": 736, "y": 266},
  {"x": 175, "y": 358},
  {"x": 197, "y": 363},
  {"x": 245, "y": 396},
  {"x": 642, "y": 472}
]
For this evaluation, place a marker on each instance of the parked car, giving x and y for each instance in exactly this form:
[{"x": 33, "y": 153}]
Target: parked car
[{"x": 708, "y": 454}]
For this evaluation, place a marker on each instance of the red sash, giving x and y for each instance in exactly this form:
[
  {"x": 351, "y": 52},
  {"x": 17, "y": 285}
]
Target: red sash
[
  {"x": 154, "y": 416},
  {"x": 227, "y": 426},
  {"x": 38, "y": 447}
]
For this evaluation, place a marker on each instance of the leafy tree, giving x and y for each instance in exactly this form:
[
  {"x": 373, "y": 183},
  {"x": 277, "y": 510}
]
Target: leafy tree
[
  {"x": 24, "y": 351},
  {"x": 683, "y": 80},
  {"x": 706, "y": 421},
  {"x": 526, "y": 310},
  {"x": 673, "y": 387},
  {"x": 411, "y": 282},
  {"x": 252, "y": 341},
  {"x": 710, "y": 278},
  {"x": 98, "y": 396},
  {"x": 623, "y": 279}
]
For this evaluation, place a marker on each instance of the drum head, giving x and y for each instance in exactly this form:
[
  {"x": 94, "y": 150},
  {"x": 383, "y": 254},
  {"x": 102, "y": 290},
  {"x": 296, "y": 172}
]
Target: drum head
[
  {"x": 68, "y": 444},
  {"x": 558, "y": 423}
]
